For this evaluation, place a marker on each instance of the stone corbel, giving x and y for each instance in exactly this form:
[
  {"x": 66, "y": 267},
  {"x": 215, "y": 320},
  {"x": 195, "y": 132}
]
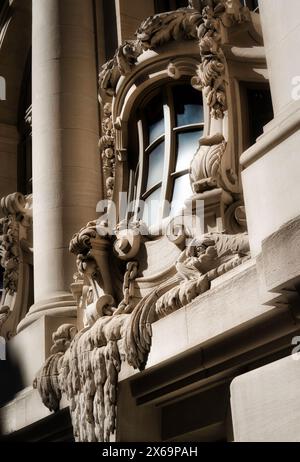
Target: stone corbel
[
  {"x": 92, "y": 289},
  {"x": 16, "y": 259},
  {"x": 205, "y": 171}
]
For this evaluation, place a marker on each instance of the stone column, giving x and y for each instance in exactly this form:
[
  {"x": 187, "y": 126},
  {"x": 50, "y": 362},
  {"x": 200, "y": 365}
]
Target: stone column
[
  {"x": 66, "y": 163},
  {"x": 271, "y": 175}
]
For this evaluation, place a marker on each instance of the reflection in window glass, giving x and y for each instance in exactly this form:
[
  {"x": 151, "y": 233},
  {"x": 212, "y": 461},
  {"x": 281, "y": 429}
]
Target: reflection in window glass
[
  {"x": 155, "y": 118},
  {"x": 187, "y": 145},
  {"x": 152, "y": 208},
  {"x": 156, "y": 165},
  {"x": 182, "y": 190},
  {"x": 188, "y": 105},
  {"x": 156, "y": 129}
]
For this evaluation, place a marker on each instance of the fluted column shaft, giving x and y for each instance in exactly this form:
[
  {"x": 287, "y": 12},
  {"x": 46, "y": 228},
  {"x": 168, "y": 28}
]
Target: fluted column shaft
[{"x": 66, "y": 165}]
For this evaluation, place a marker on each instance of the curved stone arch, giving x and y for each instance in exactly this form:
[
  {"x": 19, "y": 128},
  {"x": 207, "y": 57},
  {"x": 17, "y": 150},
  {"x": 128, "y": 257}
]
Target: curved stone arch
[
  {"x": 159, "y": 39},
  {"x": 154, "y": 71}
]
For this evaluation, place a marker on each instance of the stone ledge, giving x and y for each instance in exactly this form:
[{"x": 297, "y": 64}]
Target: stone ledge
[
  {"x": 26, "y": 409},
  {"x": 281, "y": 257},
  {"x": 210, "y": 315}
]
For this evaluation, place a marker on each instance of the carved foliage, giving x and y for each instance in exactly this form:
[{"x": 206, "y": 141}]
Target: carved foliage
[
  {"x": 153, "y": 32},
  {"x": 107, "y": 148},
  {"x": 87, "y": 373},
  {"x": 211, "y": 72},
  {"x": 13, "y": 237},
  {"x": 205, "y": 259}
]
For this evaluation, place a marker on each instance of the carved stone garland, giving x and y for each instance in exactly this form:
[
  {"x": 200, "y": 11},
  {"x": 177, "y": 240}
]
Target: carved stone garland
[
  {"x": 13, "y": 242},
  {"x": 87, "y": 372},
  {"x": 202, "y": 20},
  {"x": 107, "y": 148}
]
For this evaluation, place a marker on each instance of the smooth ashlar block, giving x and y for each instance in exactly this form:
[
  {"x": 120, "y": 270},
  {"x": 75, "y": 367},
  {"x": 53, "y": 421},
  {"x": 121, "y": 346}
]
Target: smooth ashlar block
[{"x": 265, "y": 403}]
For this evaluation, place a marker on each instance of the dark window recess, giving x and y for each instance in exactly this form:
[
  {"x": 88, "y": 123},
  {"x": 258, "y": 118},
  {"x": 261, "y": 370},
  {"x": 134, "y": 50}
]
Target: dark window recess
[
  {"x": 169, "y": 5},
  {"x": 24, "y": 126},
  {"x": 260, "y": 111},
  {"x": 110, "y": 28},
  {"x": 1, "y": 277},
  {"x": 251, "y": 4},
  {"x": 2, "y": 4}
]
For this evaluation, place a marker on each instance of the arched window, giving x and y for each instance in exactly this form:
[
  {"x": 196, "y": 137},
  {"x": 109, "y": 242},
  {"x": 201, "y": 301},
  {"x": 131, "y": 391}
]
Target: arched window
[{"x": 169, "y": 123}]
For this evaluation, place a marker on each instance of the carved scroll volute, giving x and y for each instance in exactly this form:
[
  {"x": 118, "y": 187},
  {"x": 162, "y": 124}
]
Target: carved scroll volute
[
  {"x": 16, "y": 257},
  {"x": 93, "y": 288},
  {"x": 205, "y": 171}
]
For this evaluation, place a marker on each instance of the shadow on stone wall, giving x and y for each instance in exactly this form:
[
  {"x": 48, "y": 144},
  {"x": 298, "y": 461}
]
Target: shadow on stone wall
[{"x": 10, "y": 383}]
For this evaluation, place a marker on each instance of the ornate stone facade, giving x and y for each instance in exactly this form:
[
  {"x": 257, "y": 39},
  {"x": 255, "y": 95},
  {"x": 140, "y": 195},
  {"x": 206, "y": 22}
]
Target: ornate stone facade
[
  {"x": 164, "y": 332},
  {"x": 115, "y": 333}
]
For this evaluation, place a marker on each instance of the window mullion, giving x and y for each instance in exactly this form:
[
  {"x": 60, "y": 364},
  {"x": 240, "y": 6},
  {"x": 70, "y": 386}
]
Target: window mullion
[
  {"x": 142, "y": 164},
  {"x": 169, "y": 147}
]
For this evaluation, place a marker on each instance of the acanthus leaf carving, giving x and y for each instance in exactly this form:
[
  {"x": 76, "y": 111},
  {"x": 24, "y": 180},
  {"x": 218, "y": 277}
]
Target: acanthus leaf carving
[
  {"x": 15, "y": 228},
  {"x": 107, "y": 148},
  {"x": 153, "y": 32},
  {"x": 211, "y": 73}
]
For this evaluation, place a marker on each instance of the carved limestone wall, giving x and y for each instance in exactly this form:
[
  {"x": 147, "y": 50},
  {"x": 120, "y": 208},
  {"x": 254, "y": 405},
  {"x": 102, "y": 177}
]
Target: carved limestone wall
[{"x": 16, "y": 259}]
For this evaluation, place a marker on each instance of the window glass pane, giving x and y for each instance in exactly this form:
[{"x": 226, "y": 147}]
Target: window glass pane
[
  {"x": 182, "y": 190},
  {"x": 187, "y": 145},
  {"x": 188, "y": 105},
  {"x": 155, "y": 118},
  {"x": 156, "y": 165},
  {"x": 260, "y": 111},
  {"x": 152, "y": 208}
]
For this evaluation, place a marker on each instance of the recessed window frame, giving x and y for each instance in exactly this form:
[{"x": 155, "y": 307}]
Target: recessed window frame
[{"x": 170, "y": 138}]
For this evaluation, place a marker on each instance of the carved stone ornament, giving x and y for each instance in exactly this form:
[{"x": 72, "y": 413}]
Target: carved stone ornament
[
  {"x": 211, "y": 72},
  {"x": 87, "y": 372},
  {"x": 203, "y": 21},
  {"x": 107, "y": 149},
  {"x": 205, "y": 171},
  {"x": 117, "y": 321},
  {"x": 153, "y": 32},
  {"x": 15, "y": 230},
  {"x": 91, "y": 249}
]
